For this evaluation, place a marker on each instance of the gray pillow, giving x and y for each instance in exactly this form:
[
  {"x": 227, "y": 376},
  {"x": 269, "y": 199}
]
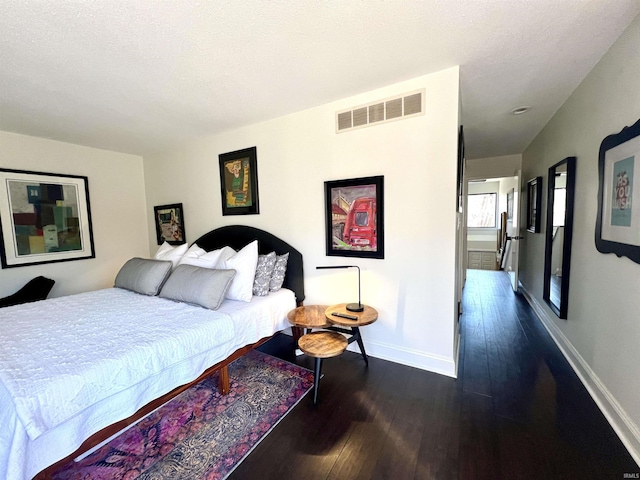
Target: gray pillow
[
  {"x": 200, "y": 286},
  {"x": 277, "y": 277},
  {"x": 264, "y": 269},
  {"x": 142, "y": 275}
]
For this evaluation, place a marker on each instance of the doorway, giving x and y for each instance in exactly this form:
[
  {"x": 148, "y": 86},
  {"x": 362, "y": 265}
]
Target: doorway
[{"x": 492, "y": 225}]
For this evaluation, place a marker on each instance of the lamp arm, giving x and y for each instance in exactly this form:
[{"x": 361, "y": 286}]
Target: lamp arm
[{"x": 351, "y": 306}]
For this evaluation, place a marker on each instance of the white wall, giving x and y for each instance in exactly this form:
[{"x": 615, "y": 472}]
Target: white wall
[
  {"x": 413, "y": 288},
  {"x": 602, "y": 332},
  {"x": 118, "y": 209},
  {"x": 484, "y": 187},
  {"x": 493, "y": 167},
  {"x": 506, "y": 185}
]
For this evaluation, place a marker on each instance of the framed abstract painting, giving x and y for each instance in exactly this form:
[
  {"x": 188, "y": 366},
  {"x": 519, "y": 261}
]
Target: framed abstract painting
[{"x": 44, "y": 218}]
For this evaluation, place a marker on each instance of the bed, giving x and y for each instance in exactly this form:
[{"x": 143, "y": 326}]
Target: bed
[{"x": 106, "y": 366}]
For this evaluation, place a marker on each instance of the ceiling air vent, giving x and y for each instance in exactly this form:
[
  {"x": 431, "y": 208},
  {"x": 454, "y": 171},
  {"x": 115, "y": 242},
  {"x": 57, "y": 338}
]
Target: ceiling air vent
[{"x": 381, "y": 111}]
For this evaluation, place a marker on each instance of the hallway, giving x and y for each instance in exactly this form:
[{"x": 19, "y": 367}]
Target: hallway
[
  {"x": 532, "y": 416},
  {"x": 516, "y": 411}
]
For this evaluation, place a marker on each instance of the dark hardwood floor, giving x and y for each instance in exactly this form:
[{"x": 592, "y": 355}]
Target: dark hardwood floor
[{"x": 517, "y": 410}]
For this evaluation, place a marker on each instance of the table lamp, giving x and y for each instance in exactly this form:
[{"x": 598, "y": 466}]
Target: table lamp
[{"x": 352, "y": 307}]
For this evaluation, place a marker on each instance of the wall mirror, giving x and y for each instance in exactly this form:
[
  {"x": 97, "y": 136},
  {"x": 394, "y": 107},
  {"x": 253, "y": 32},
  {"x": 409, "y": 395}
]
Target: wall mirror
[{"x": 557, "y": 258}]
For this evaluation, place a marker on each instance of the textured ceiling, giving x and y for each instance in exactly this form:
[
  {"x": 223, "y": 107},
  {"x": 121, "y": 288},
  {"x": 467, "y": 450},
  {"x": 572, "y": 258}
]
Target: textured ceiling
[{"x": 142, "y": 76}]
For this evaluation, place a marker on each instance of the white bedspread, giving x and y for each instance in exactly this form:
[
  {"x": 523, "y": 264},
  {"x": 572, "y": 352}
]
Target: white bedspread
[{"x": 72, "y": 365}]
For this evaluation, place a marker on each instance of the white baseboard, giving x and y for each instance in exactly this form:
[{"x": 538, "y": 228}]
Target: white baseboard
[
  {"x": 405, "y": 356},
  {"x": 624, "y": 427},
  {"x": 409, "y": 357}
]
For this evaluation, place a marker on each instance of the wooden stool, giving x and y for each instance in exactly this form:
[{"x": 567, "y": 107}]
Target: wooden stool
[{"x": 321, "y": 345}]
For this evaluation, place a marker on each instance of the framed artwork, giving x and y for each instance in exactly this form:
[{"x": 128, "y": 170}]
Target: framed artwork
[
  {"x": 239, "y": 182},
  {"x": 534, "y": 204},
  {"x": 170, "y": 224},
  {"x": 460, "y": 170},
  {"x": 354, "y": 217},
  {"x": 44, "y": 218},
  {"x": 510, "y": 204},
  {"x": 618, "y": 219}
]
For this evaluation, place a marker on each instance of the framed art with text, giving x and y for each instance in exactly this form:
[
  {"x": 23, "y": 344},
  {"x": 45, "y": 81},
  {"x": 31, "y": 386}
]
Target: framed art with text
[
  {"x": 170, "y": 224},
  {"x": 354, "y": 217},
  {"x": 618, "y": 219},
  {"x": 44, "y": 218},
  {"x": 239, "y": 182}
]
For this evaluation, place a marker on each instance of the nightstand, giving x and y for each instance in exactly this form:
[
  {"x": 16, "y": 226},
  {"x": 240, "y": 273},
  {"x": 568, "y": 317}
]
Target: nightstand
[{"x": 351, "y": 326}]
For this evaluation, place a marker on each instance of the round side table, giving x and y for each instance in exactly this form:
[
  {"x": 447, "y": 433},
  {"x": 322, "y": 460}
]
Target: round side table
[
  {"x": 366, "y": 317},
  {"x": 309, "y": 316},
  {"x": 304, "y": 319},
  {"x": 350, "y": 322},
  {"x": 321, "y": 345}
]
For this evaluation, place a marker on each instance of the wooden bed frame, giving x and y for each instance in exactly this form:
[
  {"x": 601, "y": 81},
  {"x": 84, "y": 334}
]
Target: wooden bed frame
[{"x": 235, "y": 236}]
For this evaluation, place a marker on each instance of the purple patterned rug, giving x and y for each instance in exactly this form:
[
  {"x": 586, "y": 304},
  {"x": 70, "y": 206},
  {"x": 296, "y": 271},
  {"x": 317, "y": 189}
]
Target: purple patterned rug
[{"x": 201, "y": 434}]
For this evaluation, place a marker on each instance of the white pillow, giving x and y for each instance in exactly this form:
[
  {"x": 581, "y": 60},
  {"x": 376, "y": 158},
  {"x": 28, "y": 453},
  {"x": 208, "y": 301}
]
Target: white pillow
[
  {"x": 227, "y": 253},
  {"x": 199, "y": 257},
  {"x": 173, "y": 254},
  {"x": 244, "y": 263}
]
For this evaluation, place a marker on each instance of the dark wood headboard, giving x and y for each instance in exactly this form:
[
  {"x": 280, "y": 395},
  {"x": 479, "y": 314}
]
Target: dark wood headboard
[{"x": 238, "y": 236}]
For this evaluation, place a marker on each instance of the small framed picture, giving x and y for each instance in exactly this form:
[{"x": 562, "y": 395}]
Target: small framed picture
[
  {"x": 354, "y": 217},
  {"x": 510, "y": 204},
  {"x": 534, "y": 204},
  {"x": 239, "y": 182},
  {"x": 618, "y": 219},
  {"x": 170, "y": 224}
]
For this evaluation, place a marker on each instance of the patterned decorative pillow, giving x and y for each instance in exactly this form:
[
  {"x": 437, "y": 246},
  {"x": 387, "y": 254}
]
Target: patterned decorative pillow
[
  {"x": 277, "y": 277},
  {"x": 266, "y": 264}
]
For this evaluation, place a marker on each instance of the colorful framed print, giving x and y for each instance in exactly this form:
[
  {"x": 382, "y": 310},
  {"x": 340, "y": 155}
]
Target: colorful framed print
[
  {"x": 354, "y": 217},
  {"x": 239, "y": 182},
  {"x": 44, "y": 218},
  {"x": 534, "y": 204},
  {"x": 618, "y": 219},
  {"x": 170, "y": 224}
]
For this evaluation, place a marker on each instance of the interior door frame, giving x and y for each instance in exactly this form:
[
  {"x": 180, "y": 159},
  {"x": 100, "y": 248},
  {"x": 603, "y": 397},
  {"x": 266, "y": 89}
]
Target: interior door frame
[
  {"x": 467, "y": 179},
  {"x": 516, "y": 236}
]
